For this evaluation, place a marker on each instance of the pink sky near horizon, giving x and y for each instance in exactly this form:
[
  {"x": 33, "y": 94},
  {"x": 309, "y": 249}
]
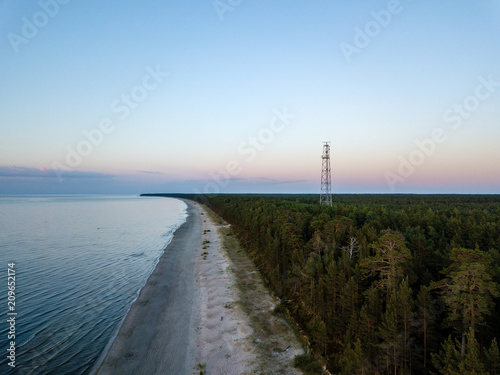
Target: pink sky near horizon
[{"x": 224, "y": 82}]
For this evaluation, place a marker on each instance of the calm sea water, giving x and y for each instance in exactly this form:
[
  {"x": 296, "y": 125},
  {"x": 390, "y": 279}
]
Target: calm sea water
[{"x": 80, "y": 262}]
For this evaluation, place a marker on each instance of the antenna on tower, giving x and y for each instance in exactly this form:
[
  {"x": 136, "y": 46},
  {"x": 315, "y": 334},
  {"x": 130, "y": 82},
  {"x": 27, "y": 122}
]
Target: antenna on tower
[{"x": 326, "y": 177}]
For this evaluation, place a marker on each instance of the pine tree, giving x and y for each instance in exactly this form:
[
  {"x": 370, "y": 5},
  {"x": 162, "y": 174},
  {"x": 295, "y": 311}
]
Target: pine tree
[
  {"x": 448, "y": 359},
  {"x": 405, "y": 306},
  {"x": 319, "y": 337},
  {"x": 451, "y": 361},
  {"x": 472, "y": 362},
  {"x": 353, "y": 359},
  {"x": 390, "y": 262},
  {"x": 493, "y": 358},
  {"x": 425, "y": 317},
  {"x": 389, "y": 333},
  {"x": 351, "y": 296},
  {"x": 368, "y": 329},
  {"x": 468, "y": 289}
]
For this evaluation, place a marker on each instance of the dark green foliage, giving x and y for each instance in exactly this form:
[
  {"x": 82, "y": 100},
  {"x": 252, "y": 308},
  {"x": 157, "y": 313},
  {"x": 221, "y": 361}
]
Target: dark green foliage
[
  {"x": 279, "y": 310},
  {"x": 469, "y": 288},
  {"x": 381, "y": 282},
  {"x": 452, "y": 361},
  {"x": 493, "y": 358},
  {"x": 353, "y": 359},
  {"x": 307, "y": 364}
]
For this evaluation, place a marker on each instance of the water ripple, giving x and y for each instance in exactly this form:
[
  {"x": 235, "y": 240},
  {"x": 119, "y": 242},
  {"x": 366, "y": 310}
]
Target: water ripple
[{"x": 75, "y": 283}]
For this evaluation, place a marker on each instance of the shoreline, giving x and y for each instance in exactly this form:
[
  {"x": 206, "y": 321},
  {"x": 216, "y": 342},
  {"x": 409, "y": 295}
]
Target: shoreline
[
  {"x": 195, "y": 312},
  {"x": 102, "y": 356},
  {"x": 154, "y": 334}
]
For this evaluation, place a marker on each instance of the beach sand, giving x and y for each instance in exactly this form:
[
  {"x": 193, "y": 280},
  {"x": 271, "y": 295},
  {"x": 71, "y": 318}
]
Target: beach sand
[
  {"x": 155, "y": 333},
  {"x": 204, "y": 307}
]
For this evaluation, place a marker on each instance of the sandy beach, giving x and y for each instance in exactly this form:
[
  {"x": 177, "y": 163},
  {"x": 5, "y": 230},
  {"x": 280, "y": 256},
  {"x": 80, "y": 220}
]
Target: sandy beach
[
  {"x": 155, "y": 333},
  {"x": 204, "y": 307}
]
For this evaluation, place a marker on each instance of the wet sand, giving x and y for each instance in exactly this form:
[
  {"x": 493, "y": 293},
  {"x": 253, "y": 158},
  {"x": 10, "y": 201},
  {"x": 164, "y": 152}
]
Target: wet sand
[{"x": 155, "y": 335}]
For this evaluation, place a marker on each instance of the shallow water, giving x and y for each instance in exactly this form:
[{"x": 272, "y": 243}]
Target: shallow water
[{"x": 80, "y": 261}]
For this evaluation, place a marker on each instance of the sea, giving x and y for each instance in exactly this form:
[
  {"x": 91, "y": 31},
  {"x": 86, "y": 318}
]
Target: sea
[{"x": 79, "y": 261}]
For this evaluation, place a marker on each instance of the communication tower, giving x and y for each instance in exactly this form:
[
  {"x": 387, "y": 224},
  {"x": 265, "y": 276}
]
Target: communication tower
[{"x": 326, "y": 177}]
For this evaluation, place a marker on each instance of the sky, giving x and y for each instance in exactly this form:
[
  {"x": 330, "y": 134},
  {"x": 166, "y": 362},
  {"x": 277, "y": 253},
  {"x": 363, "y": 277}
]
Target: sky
[{"x": 238, "y": 96}]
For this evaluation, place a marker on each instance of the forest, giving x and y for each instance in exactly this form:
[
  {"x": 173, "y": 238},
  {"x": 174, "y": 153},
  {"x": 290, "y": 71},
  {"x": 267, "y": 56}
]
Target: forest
[{"x": 381, "y": 284}]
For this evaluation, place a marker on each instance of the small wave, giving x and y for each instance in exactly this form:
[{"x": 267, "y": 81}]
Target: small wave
[
  {"x": 137, "y": 255},
  {"x": 27, "y": 341}
]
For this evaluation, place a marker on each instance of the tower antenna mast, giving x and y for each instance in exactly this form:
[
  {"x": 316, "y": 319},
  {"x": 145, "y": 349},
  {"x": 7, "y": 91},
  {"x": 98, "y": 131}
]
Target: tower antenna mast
[{"x": 326, "y": 177}]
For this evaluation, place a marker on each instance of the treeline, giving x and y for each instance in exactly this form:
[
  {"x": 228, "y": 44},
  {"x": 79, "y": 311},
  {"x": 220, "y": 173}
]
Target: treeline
[{"x": 381, "y": 284}]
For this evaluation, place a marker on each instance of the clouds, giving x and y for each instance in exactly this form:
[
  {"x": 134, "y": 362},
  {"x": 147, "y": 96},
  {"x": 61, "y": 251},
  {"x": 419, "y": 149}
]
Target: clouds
[
  {"x": 214, "y": 116},
  {"x": 42, "y": 173},
  {"x": 149, "y": 172}
]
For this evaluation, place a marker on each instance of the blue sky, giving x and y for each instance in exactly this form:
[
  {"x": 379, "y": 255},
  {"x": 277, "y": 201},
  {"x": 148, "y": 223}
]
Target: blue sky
[{"x": 174, "y": 92}]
